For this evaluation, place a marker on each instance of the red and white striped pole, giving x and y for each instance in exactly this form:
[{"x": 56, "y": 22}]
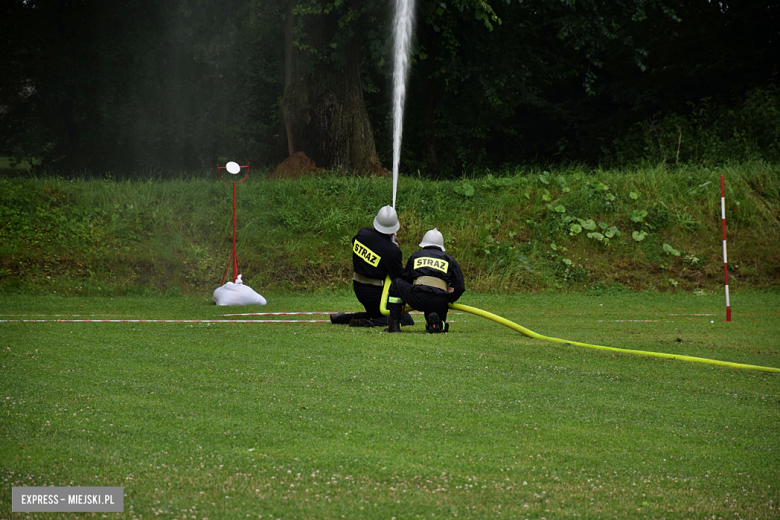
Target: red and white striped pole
[{"x": 725, "y": 261}]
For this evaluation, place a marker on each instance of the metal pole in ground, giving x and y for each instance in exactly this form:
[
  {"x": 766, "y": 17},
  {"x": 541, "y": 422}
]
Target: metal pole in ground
[
  {"x": 234, "y": 257},
  {"x": 233, "y": 168},
  {"x": 725, "y": 260}
]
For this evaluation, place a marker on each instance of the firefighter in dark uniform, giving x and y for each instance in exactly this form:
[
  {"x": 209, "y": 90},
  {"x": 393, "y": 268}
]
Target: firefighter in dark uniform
[
  {"x": 375, "y": 255},
  {"x": 432, "y": 279}
]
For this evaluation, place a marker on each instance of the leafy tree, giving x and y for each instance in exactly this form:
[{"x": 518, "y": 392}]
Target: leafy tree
[
  {"x": 324, "y": 110},
  {"x": 104, "y": 85},
  {"x": 510, "y": 84},
  {"x": 710, "y": 54}
]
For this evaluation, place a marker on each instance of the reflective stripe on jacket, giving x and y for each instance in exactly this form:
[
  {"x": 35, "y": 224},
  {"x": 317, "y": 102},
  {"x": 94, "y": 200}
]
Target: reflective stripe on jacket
[
  {"x": 432, "y": 261},
  {"x": 374, "y": 255}
]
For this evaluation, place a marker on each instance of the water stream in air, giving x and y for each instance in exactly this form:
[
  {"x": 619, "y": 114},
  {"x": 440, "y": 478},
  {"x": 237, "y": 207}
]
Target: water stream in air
[{"x": 402, "y": 28}]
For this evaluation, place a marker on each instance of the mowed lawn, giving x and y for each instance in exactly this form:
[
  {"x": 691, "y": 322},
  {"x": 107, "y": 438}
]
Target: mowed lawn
[{"x": 310, "y": 420}]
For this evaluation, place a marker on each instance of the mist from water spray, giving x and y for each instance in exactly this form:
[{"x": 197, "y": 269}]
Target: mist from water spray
[{"x": 402, "y": 28}]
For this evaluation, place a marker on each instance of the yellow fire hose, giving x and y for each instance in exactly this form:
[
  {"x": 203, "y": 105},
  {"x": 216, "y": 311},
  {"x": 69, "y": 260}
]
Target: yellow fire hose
[{"x": 532, "y": 334}]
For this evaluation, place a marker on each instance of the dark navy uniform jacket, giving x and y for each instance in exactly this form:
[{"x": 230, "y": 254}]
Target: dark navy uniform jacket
[
  {"x": 432, "y": 261},
  {"x": 375, "y": 255}
]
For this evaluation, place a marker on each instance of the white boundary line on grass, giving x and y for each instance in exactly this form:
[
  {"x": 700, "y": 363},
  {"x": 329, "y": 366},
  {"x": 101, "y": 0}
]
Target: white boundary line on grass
[
  {"x": 278, "y": 313},
  {"x": 165, "y": 321},
  {"x": 300, "y": 313},
  {"x": 53, "y": 315},
  {"x": 628, "y": 321}
]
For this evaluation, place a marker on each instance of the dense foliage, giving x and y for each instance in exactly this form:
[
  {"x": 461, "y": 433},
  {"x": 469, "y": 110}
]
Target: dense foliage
[{"x": 181, "y": 84}]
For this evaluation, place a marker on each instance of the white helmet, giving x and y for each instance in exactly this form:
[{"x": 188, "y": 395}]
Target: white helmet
[
  {"x": 433, "y": 238},
  {"x": 386, "y": 221}
]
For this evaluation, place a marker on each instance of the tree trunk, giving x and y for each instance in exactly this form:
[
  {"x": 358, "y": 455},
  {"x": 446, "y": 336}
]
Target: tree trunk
[{"x": 323, "y": 107}]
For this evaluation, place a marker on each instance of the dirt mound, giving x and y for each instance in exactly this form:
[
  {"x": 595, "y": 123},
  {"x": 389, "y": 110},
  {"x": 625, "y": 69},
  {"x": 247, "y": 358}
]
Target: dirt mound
[{"x": 295, "y": 167}]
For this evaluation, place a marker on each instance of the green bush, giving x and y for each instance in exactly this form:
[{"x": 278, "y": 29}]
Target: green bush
[{"x": 710, "y": 132}]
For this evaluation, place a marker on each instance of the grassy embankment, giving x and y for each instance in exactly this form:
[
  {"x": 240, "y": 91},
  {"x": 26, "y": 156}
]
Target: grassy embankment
[{"x": 513, "y": 231}]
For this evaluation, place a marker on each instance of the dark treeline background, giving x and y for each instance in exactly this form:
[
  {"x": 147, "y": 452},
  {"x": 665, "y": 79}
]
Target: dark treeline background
[{"x": 178, "y": 85}]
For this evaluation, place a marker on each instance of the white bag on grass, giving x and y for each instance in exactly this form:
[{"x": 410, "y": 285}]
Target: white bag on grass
[{"x": 237, "y": 294}]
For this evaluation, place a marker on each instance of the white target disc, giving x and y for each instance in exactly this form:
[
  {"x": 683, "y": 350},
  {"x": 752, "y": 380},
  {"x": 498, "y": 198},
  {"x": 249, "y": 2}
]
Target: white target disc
[{"x": 233, "y": 167}]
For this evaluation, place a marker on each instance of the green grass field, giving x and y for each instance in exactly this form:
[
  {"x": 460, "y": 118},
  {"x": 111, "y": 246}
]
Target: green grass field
[{"x": 312, "y": 420}]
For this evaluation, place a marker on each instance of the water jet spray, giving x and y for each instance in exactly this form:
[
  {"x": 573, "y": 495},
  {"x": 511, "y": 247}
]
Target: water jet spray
[{"x": 402, "y": 28}]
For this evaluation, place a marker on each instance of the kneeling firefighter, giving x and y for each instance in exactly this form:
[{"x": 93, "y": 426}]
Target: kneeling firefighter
[
  {"x": 432, "y": 279},
  {"x": 375, "y": 256}
]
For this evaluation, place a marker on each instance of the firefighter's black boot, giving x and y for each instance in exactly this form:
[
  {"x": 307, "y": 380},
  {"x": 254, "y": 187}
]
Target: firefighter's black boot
[
  {"x": 434, "y": 323},
  {"x": 393, "y": 325},
  {"x": 340, "y": 318}
]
